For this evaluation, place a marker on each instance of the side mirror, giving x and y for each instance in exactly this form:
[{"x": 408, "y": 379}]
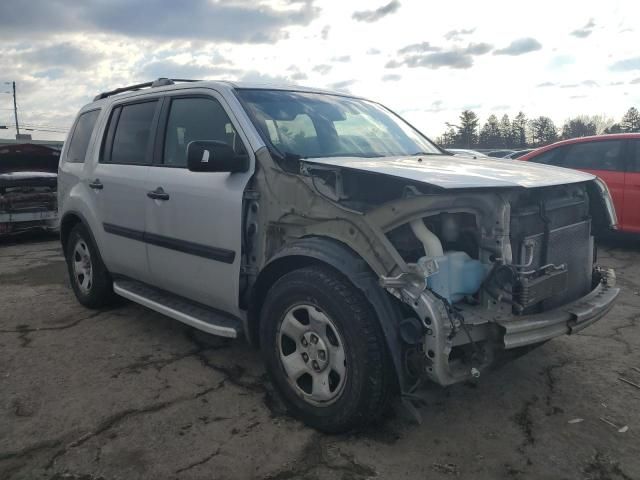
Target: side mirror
[{"x": 214, "y": 156}]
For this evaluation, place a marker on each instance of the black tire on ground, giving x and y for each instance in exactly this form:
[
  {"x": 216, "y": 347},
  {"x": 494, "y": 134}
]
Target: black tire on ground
[
  {"x": 367, "y": 385},
  {"x": 99, "y": 291}
]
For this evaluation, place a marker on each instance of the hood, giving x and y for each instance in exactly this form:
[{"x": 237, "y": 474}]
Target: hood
[
  {"x": 459, "y": 172},
  {"x": 26, "y": 175},
  {"x": 31, "y": 179}
]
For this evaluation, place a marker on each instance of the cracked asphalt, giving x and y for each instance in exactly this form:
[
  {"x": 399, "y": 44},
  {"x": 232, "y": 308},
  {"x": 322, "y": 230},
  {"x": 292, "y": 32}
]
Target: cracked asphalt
[{"x": 127, "y": 393}]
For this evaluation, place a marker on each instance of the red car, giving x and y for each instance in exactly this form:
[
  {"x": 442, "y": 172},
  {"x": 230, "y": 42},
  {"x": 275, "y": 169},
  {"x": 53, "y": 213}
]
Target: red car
[{"x": 614, "y": 158}]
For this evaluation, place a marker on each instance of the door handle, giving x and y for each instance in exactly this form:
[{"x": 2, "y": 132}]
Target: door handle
[
  {"x": 158, "y": 194},
  {"x": 96, "y": 184}
]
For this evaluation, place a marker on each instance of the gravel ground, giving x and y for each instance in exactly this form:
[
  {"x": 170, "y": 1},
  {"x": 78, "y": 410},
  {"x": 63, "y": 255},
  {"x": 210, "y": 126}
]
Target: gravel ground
[{"x": 127, "y": 393}]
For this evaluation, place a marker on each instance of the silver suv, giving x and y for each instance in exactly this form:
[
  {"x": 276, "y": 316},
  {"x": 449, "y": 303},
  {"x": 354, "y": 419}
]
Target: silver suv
[{"x": 358, "y": 255}]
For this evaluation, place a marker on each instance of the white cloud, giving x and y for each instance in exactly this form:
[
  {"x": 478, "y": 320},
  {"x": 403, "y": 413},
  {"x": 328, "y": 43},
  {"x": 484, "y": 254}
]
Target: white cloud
[{"x": 295, "y": 35}]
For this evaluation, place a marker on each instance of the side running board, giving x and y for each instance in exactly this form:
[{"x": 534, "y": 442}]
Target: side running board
[{"x": 193, "y": 314}]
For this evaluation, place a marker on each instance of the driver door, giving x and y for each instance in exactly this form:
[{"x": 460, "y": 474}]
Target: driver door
[{"x": 194, "y": 219}]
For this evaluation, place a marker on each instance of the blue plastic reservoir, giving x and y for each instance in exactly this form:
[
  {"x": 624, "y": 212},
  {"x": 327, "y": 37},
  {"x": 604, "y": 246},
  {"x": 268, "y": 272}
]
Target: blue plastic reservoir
[{"x": 458, "y": 275}]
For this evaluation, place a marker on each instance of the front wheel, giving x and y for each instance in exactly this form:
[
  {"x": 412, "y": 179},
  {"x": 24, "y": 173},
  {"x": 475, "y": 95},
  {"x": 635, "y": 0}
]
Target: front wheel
[{"x": 325, "y": 350}]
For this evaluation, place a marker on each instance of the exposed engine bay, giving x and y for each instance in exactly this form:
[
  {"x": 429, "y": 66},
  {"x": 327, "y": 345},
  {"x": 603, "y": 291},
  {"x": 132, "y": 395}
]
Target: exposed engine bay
[
  {"x": 475, "y": 272},
  {"x": 27, "y": 201},
  {"x": 28, "y": 188}
]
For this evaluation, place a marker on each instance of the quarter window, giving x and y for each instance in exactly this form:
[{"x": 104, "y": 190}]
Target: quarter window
[
  {"x": 81, "y": 136},
  {"x": 635, "y": 156},
  {"x": 132, "y": 135},
  {"x": 192, "y": 119},
  {"x": 603, "y": 155},
  {"x": 550, "y": 157}
]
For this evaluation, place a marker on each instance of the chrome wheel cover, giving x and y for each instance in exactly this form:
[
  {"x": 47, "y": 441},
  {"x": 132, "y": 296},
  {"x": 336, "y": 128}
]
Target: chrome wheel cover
[
  {"x": 82, "y": 267},
  {"x": 312, "y": 354}
]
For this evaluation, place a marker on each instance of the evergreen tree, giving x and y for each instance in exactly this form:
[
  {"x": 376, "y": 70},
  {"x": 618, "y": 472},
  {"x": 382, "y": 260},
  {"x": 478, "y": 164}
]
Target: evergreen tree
[
  {"x": 578, "y": 127},
  {"x": 631, "y": 121},
  {"x": 468, "y": 129},
  {"x": 506, "y": 133},
  {"x": 543, "y": 131},
  {"x": 490, "y": 134},
  {"x": 519, "y": 131}
]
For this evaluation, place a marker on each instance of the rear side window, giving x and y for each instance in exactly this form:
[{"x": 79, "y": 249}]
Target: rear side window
[
  {"x": 130, "y": 131},
  {"x": 81, "y": 136},
  {"x": 595, "y": 156}
]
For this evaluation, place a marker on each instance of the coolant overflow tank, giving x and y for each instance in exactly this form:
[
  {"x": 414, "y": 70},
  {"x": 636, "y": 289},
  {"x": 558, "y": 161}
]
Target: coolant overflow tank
[{"x": 457, "y": 275}]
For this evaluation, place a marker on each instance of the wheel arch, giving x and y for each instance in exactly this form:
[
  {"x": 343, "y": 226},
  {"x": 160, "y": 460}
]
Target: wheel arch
[
  {"x": 69, "y": 220},
  {"x": 341, "y": 258}
]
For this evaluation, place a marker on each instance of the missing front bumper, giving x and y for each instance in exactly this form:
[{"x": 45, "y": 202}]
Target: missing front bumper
[{"x": 488, "y": 337}]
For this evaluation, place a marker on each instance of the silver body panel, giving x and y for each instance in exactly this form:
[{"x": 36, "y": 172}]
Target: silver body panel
[
  {"x": 205, "y": 207},
  {"x": 461, "y": 172}
]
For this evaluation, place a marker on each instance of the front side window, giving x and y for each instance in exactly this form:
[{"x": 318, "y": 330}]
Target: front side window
[
  {"x": 81, "y": 136},
  {"x": 192, "y": 119},
  {"x": 132, "y": 136},
  {"x": 603, "y": 155},
  {"x": 314, "y": 125}
]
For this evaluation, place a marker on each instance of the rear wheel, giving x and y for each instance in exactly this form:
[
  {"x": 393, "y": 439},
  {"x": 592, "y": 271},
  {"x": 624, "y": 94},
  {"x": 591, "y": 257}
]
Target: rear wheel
[
  {"x": 89, "y": 278},
  {"x": 325, "y": 350}
]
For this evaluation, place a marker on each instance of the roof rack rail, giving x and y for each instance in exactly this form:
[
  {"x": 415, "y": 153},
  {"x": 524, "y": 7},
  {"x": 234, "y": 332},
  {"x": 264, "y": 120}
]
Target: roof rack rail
[{"x": 160, "y": 82}]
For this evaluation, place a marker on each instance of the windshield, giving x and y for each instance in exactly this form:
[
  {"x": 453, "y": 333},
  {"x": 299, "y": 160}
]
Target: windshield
[{"x": 313, "y": 125}]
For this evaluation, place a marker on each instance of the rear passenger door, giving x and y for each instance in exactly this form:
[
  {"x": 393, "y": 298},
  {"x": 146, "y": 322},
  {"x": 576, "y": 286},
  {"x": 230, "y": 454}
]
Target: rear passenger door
[
  {"x": 120, "y": 184},
  {"x": 604, "y": 158},
  {"x": 631, "y": 220},
  {"x": 194, "y": 231}
]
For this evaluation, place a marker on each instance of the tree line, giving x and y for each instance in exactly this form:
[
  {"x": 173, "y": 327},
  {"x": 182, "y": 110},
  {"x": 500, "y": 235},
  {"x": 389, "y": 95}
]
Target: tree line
[{"x": 522, "y": 132}]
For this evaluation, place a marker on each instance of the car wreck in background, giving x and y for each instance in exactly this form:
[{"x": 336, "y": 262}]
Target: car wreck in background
[{"x": 28, "y": 184}]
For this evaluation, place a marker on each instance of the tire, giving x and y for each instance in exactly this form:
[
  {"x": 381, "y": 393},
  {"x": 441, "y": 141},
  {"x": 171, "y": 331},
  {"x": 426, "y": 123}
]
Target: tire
[
  {"x": 324, "y": 395},
  {"x": 89, "y": 278}
]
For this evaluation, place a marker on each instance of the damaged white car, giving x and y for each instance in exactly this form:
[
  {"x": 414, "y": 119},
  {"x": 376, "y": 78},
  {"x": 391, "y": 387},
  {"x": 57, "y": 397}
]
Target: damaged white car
[
  {"x": 28, "y": 180},
  {"x": 360, "y": 257}
]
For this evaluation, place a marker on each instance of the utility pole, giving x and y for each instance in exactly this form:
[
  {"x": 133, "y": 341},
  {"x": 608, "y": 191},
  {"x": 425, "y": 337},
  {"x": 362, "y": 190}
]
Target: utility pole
[{"x": 15, "y": 108}]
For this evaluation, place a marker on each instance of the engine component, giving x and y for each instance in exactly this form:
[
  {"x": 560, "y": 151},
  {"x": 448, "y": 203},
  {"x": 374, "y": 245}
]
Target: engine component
[
  {"x": 411, "y": 330},
  {"x": 532, "y": 289},
  {"x": 450, "y": 228},
  {"x": 458, "y": 275},
  {"x": 431, "y": 243}
]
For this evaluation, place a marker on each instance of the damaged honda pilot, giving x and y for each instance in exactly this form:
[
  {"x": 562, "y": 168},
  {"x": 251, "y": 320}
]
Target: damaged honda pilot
[{"x": 360, "y": 257}]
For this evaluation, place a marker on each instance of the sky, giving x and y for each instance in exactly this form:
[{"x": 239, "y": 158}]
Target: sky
[{"x": 425, "y": 60}]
